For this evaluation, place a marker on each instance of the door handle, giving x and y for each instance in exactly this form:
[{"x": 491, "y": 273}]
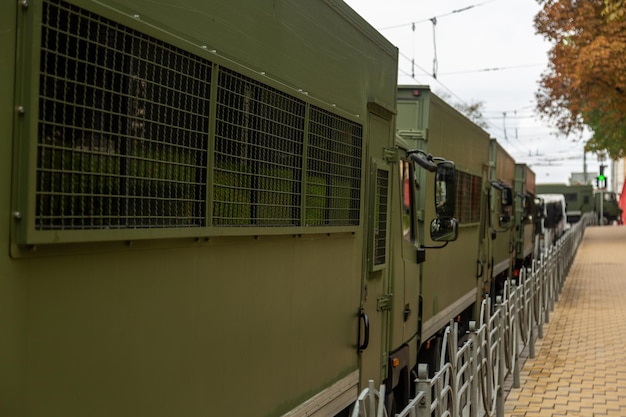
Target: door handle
[
  {"x": 366, "y": 331},
  {"x": 480, "y": 269}
]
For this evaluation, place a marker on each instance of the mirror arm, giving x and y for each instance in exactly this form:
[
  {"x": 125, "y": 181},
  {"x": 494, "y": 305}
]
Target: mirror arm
[
  {"x": 423, "y": 159},
  {"x": 435, "y": 247},
  {"x": 496, "y": 184}
]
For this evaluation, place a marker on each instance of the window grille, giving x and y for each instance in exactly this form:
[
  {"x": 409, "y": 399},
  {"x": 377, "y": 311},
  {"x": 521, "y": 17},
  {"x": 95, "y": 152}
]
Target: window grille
[
  {"x": 123, "y": 139},
  {"x": 259, "y": 168},
  {"x": 258, "y": 154},
  {"x": 123, "y": 127},
  {"x": 333, "y": 170},
  {"x": 468, "y": 198}
]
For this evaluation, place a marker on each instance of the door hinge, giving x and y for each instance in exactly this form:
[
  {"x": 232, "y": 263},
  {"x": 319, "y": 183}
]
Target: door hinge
[{"x": 384, "y": 302}]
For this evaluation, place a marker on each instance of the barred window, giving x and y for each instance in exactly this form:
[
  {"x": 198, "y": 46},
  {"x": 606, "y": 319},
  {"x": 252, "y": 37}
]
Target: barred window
[
  {"x": 123, "y": 127},
  {"x": 468, "y": 197},
  {"x": 333, "y": 170},
  {"x": 258, "y": 154},
  {"x": 123, "y": 138},
  {"x": 260, "y": 176}
]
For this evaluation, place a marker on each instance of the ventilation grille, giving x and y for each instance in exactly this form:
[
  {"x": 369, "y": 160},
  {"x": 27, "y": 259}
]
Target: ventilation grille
[
  {"x": 123, "y": 127},
  {"x": 381, "y": 204}
]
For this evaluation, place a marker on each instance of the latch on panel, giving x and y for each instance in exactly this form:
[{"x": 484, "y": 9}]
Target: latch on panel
[
  {"x": 412, "y": 134},
  {"x": 391, "y": 155},
  {"x": 384, "y": 302}
]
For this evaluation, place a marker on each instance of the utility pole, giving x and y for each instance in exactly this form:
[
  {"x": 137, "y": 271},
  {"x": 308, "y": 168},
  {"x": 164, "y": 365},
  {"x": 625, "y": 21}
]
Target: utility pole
[
  {"x": 585, "y": 180},
  {"x": 601, "y": 186}
]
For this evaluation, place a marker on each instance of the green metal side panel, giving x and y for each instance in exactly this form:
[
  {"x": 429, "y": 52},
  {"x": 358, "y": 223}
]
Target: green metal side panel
[
  {"x": 449, "y": 283},
  {"x": 271, "y": 36},
  {"x": 13, "y": 289},
  {"x": 524, "y": 185},
  {"x": 251, "y": 323},
  {"x": 502, "y": 247}
]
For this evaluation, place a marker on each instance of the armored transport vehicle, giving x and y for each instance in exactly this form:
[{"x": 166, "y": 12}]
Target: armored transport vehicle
[
  {"x": 501, "y": 218},
  {"x": 206, "y": 211},
  {"x": 579, "y": 198},
  {"x": 454, "y": 276},
  {"x": 525, "y": 212}
]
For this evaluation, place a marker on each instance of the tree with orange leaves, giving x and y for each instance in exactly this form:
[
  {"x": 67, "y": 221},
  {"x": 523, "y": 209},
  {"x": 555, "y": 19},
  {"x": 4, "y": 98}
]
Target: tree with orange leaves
[{"x": 585, "y": 83}]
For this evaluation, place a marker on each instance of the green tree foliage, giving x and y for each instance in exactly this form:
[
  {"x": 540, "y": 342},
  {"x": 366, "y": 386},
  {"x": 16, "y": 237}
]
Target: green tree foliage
[{"x": 585, "y": 83}]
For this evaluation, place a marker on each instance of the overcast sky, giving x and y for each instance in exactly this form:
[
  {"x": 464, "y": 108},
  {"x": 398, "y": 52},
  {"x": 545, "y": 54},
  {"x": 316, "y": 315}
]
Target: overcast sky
[{"x": 487, "y": 51}]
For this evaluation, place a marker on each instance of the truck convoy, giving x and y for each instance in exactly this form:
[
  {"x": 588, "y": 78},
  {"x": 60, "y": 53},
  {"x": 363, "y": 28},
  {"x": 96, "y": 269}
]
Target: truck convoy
[
  {"x": 217, "y": 215},
  {"x": 581, "y": 199}
]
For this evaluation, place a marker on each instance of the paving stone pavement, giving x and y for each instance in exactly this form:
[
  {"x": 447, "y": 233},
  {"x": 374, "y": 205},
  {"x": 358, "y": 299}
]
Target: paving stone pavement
[{"x": 579, "y": 367}]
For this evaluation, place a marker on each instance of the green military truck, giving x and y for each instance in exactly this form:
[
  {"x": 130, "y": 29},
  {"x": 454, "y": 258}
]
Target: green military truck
[
  {"x": 525, "y": 212},
  {"x": 581, "y": 199},
  {"x": 453, "y": 277},
  {"x": 207, "y": 211},
  {"x": 578, "y": 198},
  {"x": 501, "y": 219}
]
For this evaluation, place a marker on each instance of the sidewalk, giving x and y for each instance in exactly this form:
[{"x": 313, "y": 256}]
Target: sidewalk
[{"x": 580, "y": 365}]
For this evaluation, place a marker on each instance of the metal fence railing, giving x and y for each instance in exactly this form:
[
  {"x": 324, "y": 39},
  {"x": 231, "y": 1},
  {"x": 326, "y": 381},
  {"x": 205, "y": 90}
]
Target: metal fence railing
[{"x": 470, "y": 379}]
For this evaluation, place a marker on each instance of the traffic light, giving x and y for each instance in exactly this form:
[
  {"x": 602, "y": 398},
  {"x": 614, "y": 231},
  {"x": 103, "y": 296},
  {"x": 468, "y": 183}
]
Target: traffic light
[{"x": 601, "y": 179}]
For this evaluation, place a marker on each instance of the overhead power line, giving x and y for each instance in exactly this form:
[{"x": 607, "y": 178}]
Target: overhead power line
[
  {"x": 464, "y": 9},
  {"x": 491, "y": 69}
]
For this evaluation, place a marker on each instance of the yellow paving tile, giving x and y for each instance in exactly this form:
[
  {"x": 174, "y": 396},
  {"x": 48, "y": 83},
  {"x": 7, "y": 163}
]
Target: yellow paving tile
[{"x": 579, "y": 367}]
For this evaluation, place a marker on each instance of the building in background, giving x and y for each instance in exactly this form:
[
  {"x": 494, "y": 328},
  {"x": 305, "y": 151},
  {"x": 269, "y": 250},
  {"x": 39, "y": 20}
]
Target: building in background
[{"x": 582, "y": 178}]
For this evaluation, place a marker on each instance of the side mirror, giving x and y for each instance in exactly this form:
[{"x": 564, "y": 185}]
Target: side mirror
[
  {"x": 506, "y": 203},
  {"x": 444, "y": 230},
  {"x": 529, "y": 210},
  {"x": 445, "y": 189},
  {"x": 507, "y": 196}
]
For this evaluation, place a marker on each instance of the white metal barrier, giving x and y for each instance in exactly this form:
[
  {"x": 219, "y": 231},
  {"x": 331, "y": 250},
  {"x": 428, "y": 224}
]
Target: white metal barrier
[{"x": 470, "y": 379}]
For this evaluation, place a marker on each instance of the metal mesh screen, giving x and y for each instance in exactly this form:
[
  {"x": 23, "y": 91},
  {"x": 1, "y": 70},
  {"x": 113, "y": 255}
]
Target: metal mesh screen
[
  {"x": 123, "y": 134},
  {"x": 380, "y": 232},
  {"x": 259, "y": 151},
  {"x": 333, "y": 170},
  {"x": 123, "y": 126},
  {"x": 468, "y": 198},
  {"x": 258, "y": 154}
]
